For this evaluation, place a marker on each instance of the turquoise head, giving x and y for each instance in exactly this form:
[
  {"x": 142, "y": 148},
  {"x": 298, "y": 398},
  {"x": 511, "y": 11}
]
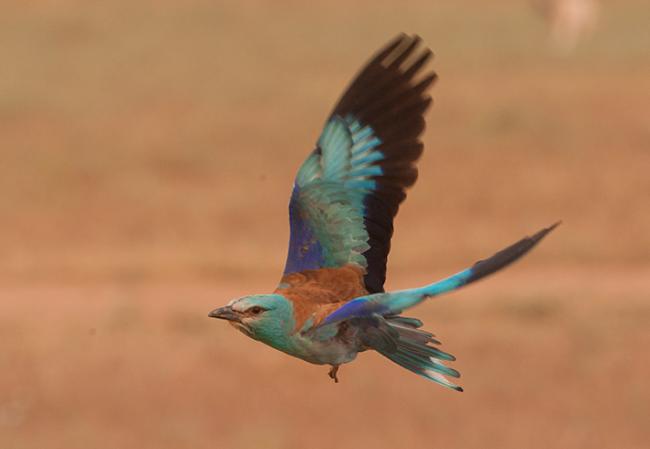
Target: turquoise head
[{"x": 267, "y": 318}]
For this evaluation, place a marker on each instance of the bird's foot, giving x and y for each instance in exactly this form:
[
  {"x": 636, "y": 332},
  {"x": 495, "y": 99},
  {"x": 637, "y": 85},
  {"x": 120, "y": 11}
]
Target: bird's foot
[{"x": 333, "y": 370}]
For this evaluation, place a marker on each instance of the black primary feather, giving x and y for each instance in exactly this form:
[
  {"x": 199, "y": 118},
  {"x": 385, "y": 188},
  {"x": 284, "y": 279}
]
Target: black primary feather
[
  {"x": 390, "y": 95},
  {"x": 508, "y": 255}
]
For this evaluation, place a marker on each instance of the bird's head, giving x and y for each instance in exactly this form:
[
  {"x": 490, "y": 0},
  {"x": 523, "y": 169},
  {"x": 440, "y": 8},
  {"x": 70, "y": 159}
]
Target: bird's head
[{"x": 262, "y": 317}]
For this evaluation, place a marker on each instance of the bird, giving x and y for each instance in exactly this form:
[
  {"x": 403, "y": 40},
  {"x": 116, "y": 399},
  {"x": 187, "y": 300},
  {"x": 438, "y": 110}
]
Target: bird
[{"x": 330, "y": 303}]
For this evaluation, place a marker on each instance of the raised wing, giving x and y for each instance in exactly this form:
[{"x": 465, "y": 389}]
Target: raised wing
[{"x": 349, "y": 189}]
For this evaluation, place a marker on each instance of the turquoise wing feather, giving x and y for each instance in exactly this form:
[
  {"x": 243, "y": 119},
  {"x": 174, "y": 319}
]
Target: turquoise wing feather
[
  {"x": 348, "y": 190},
  {"x": 329, "y": 191}
]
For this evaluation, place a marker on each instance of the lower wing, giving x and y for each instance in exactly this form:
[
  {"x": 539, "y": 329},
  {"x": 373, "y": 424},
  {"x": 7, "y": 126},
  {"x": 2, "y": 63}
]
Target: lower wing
[{"x": 386, "y": 304}]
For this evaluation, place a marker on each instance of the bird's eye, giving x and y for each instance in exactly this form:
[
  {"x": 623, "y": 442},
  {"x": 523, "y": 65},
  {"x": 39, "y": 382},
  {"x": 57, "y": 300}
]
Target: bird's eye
[{"x": 255, "y": 310}]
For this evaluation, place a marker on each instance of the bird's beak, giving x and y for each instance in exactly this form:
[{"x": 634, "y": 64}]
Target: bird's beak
[{"x": 225, "y": 313}]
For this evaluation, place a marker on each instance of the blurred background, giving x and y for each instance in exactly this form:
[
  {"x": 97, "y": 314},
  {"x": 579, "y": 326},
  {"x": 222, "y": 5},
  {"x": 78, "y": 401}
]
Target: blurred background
[{"x": 147, "y": 150}]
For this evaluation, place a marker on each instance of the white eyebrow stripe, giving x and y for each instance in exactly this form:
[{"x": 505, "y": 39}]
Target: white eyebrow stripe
[{"x": 237, "y": 305}]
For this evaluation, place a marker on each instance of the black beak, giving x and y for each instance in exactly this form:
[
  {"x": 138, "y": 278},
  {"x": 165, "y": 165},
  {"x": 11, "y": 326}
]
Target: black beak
[{"x": 225, "y": 313}]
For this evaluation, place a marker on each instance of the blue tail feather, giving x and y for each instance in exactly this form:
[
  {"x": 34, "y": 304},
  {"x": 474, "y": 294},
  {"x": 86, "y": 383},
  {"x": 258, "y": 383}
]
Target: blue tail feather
[{"x": 411, "y": 348}]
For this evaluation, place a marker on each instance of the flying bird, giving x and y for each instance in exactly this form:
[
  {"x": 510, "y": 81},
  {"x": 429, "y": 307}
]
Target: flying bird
[{"x": 330, "y": 303}]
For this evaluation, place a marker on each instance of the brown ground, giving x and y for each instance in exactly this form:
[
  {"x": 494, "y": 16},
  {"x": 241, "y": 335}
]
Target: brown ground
[{"x": 147, "y": 155}]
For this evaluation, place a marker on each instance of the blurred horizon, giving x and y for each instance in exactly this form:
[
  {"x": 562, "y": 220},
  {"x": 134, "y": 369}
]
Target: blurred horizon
[{"x": 148, "y": 152}]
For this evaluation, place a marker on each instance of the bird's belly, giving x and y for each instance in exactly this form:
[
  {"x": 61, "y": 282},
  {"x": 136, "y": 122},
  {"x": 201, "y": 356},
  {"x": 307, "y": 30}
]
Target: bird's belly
[{"x": 331, "y": 352}]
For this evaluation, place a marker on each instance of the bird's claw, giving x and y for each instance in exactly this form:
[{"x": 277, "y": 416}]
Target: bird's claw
[{"x": 333, "y": 370}]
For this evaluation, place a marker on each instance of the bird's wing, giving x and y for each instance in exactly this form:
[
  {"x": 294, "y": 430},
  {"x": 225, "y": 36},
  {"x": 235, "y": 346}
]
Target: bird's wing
[
  {"x": 391, "y": 304},
  {"x": 348, "y": 190}
]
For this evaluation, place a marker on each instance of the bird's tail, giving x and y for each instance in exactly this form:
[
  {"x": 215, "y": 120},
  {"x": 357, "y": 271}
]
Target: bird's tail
[{"x": 400, "y": 340}]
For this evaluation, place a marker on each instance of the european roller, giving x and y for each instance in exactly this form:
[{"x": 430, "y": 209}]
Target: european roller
[{"x": 330, "y": 303}]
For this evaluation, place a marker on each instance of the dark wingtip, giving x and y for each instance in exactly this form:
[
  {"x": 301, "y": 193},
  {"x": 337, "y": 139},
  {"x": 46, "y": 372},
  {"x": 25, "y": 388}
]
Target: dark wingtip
[
  {"x": 508, "y": 255},
  {"x": 541, "y": 234},
  {"x": 390, "y": 95},
  {"x": 389, "y": 47},
  {"x": 459, "y": 389}
]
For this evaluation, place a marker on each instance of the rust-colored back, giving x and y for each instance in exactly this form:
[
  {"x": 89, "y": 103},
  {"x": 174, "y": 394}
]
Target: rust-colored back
[{"x": 315, "y": 293}]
